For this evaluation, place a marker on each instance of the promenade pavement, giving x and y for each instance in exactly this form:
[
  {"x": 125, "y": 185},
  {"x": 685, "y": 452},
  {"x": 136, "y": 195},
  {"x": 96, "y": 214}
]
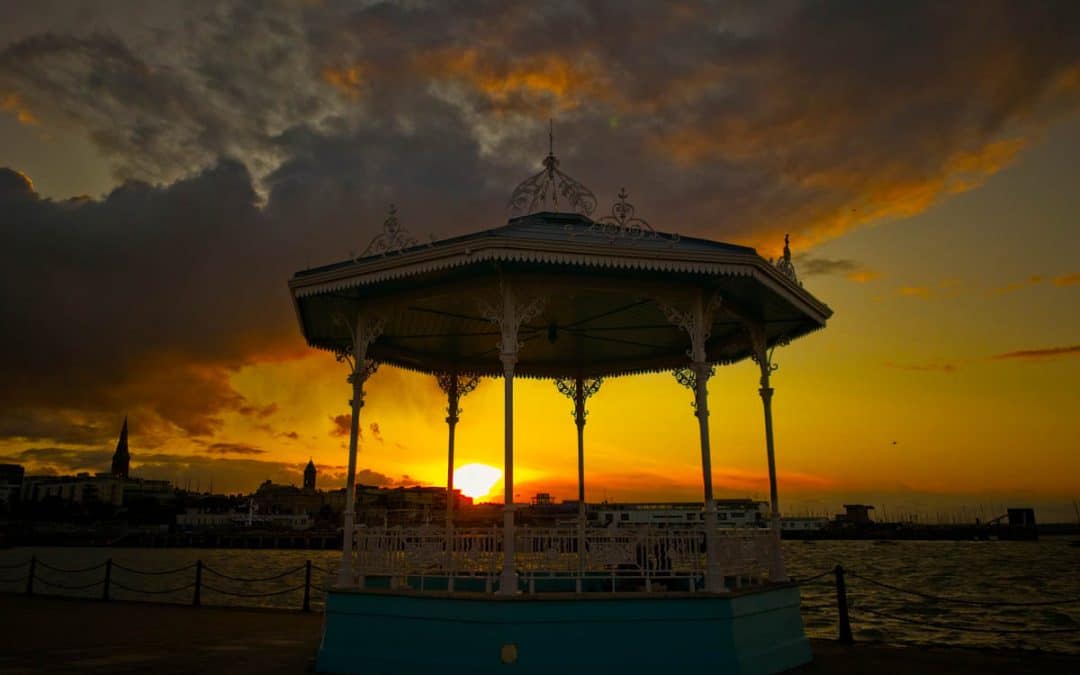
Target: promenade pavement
[{"x": 62, "y": 635}]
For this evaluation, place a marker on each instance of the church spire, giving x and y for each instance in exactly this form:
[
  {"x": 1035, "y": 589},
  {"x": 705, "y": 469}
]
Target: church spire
[
  {"x": 309, "y": 475},
  {"x": 121, "y": 458}
]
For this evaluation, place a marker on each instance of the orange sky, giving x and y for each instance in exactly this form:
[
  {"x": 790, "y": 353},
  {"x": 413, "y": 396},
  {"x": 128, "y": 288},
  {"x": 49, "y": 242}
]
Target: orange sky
[{"x": 933, "y": 208}]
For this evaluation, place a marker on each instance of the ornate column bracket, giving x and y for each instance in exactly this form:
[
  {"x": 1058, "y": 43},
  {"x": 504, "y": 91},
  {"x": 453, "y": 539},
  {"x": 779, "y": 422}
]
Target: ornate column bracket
[
  {"x": 456, "y": 387},
  {"x": 509, "y": 313},
  {"x": 579, "y": 391},
  {"x": 696, "y": 320}
]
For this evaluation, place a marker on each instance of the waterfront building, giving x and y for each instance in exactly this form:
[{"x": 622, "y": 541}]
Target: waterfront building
[
  {"x": 729, "y": 513},
  {"x": 309, "y": 476},
  {"x": 82, "y": 488},
  {"x": 567, "y": 298},
  {"x": 11, "y": 479},
  {"x": 116, "y": 488},
  {"x": 273, "y": 499},
  {"x": 856, "y": 514},
  {"x": 803, "y": 523}
]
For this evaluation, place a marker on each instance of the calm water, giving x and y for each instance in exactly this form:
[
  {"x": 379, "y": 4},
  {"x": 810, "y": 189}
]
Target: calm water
[{"x": 986, "y": 571}]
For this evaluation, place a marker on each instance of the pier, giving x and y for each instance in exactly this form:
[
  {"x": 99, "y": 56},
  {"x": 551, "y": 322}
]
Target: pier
[{"x": 49, "y": 635}]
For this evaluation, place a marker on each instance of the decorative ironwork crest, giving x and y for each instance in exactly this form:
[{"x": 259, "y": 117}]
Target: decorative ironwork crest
[
  {"x": 394, "y": 238},
  {"x": 784, "y": 264},
  {"x": 622, "y": 223},
  {"x": 544, "y": 190}
]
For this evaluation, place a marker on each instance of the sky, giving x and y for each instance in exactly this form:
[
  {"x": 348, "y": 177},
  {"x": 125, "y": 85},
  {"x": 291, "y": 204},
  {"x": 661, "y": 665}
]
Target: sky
[{"x": 164, "y": 169}]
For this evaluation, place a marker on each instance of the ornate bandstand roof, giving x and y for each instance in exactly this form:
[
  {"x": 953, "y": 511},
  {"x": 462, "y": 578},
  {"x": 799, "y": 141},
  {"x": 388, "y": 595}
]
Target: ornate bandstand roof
[{"x": 603, "y": 286}]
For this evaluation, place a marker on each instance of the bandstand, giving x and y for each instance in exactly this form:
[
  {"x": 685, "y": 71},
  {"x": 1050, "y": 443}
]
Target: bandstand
[{"x": 558, "y": 293}]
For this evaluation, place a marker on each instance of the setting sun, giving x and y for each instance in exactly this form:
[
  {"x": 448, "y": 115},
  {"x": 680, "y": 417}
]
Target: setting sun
[{"x": 476, "y": 480}]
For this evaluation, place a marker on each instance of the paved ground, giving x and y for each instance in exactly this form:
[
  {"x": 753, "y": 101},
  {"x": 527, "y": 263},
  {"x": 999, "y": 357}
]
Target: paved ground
[{"x": 57, "y": 635}]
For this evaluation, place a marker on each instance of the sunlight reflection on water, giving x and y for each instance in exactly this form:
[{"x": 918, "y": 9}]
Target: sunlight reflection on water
[{"x": 987, "y": 571}]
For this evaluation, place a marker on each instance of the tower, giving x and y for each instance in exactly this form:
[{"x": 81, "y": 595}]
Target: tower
[
  {"x": 309, "y": 476},
  {"x": 121, "y": 458}
]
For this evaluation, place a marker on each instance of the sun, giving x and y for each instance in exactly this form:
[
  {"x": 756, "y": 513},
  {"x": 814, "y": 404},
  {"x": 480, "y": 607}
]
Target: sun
[{"x": 476, "y": 480}]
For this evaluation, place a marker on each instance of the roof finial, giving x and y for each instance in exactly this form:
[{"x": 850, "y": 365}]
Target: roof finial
[
  {"x": 543, "y": 191},
  {"x": 784, "y": 264}
]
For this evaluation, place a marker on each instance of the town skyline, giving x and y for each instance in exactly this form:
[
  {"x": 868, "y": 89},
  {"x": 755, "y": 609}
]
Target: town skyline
[{"x": 156, "y": 200}]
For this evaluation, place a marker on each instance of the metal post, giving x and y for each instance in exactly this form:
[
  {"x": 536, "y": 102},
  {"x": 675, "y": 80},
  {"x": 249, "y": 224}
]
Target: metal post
[
  {"x": 451, "y": 423},
  {"x": 845, "y": 636},
  {"x": 307, "y": 587},
  {"x": 714, "y": 579},
  {"x": 363, "y": 332},
  {"x": 108, "y": 578},
  {"x": 30, "y": 578},
  {"x": 196, "y": 598},
  {"x": 776, "y": 570},
  {"x": 508, "y": 581},
  {"x": 349, "y": 523},
  {"x": 579, "y": 418}
]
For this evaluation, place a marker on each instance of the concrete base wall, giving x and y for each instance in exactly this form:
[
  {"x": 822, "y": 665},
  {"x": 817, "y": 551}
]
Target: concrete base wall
[{"x": 752, "y": 632}]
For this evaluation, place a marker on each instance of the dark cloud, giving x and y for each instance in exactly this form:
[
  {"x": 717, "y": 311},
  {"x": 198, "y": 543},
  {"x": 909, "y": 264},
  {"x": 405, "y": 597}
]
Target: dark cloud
[
  {"x": 257, "y": 140},
  {"x": 233, "y": 449},
  {"x": 61, "y": 461},
  {"x": 260, "y": 412},
  {"x": 1040, "y": 354},
  {"x": 142, "y": 303},
  {"x": 925, "y": 367},
  {"x": 340, "y": 425},
  {"x": 810, "y": 266}
]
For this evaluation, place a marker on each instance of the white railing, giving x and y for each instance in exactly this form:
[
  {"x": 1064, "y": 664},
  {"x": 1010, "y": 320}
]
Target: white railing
[{"x": 643, "y": 558}]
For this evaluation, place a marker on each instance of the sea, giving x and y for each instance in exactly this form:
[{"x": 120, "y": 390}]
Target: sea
[{"x": 991, "y": 594}]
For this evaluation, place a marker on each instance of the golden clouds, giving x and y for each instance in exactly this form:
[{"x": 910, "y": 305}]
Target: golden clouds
[
  {"x": 12, "y": 103},
  {"x": 863, "y": 275},
  {"x": 545, "y": 81},
  {"x": 347, "y": 79},
  {"x": 1038, "y": 280},
  {"x": 915, "y": 291}
]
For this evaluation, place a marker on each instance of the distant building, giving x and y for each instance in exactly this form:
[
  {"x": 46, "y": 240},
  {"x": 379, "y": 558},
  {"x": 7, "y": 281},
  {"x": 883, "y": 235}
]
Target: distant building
[
  {"x": 116, "y": 487},
  {"x": 857, "y": 514},
  {"x": 121, "y": 458},
  {"x": 274, "y": 499},
  {"x": 309, "y": 476},
  {"x": 729, "y": 513},
  {"x": 81, "y": 488},
  {"x": 803, "y": 523},
  {"x": 11, "y": 479}
]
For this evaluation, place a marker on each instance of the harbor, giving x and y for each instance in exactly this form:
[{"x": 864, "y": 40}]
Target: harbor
[{"x": 996, "y": 576}]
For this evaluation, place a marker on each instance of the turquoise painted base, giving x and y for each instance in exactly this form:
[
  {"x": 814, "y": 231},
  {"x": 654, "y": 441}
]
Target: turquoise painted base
[{"x": 754, "y": 632}]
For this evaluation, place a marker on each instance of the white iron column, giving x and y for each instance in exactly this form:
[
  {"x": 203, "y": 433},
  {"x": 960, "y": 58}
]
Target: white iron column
[
  {"x": 509, "y": 316},
  {"x": 697, "y": 322},
  {"x": 508, "y": 582},
  {"x": 363, "y": 333},
  {"x": 455, "y": 387},
  {"x": 763, "y": 357},
  {"x": 452, "y": 412},
  {"x": 579, "y": 392}
]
